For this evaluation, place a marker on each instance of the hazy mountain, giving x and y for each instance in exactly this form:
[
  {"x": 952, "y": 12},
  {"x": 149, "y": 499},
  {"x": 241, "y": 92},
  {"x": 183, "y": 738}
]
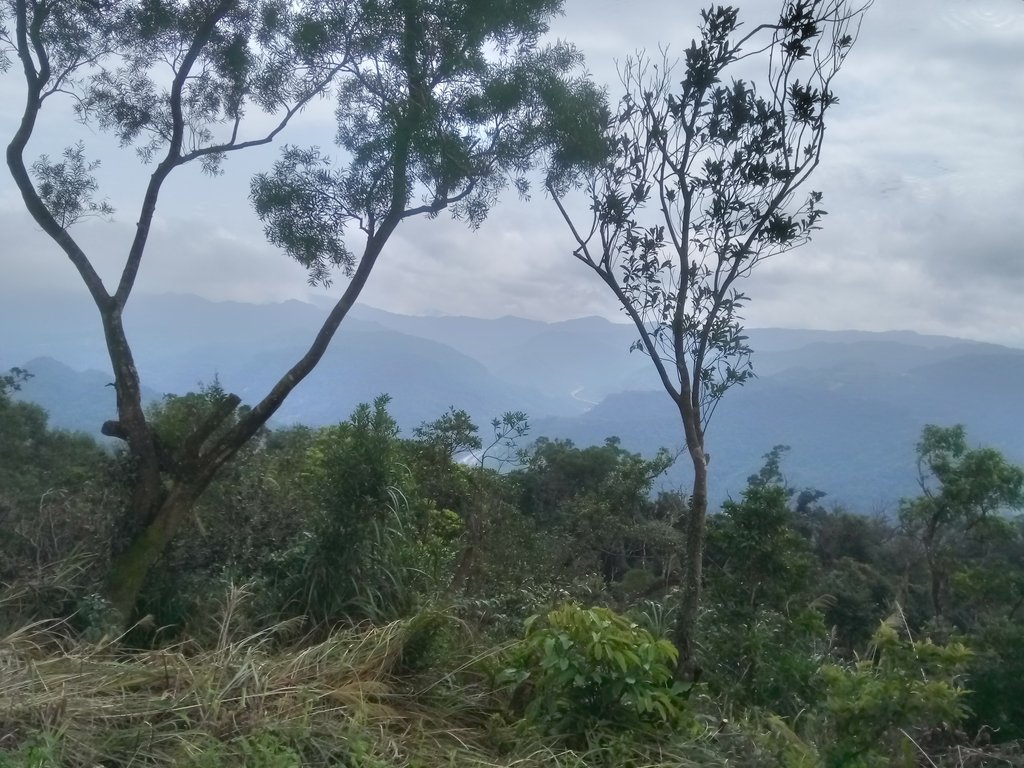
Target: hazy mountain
[
  {"x": 851, "y": 404},
  {"x": 182, "y": 341},
  {"x": 569, "y": 357},
  {"x": 76, "y": 400},
  {"x": 858, "y": 451}
]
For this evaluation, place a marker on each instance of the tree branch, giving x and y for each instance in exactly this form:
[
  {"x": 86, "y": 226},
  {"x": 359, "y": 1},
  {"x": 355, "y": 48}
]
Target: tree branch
[
  {"x": 36, "y": 82},
  {"x": 173, "y": 155}
]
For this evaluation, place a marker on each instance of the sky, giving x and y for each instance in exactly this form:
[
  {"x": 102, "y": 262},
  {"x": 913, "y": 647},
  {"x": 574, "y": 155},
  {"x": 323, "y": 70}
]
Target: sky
[{"x": 922, "y": 175}]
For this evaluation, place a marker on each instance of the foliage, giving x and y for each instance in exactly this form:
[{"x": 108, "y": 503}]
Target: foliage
[
  {"x": 995, "y": 676},
  {"x": 962, "y": 490},
  {"x": 35, "y": 459},
  {"x": 764, "y": 659},
  {"x": 12, "y": 381},
  {"x": 595, "y": 503},
  {"x": 722, "y": 161},
  {"x": 352, "y": 558},
  {"x": 57, "y": 527},
  {"x": 352, "y": 525},
  {"x": 902, "y": 685},
  {"x": 586, "y": 671},
  {"x": 755, "y": 556},
  {"x": 347, "y": 538},
  {"x": 858, "y": 596},
  {"x": 453, "y": 434},
  {"x": 440, "y": 107},
  {"x": 764, "y": 638},
  {"x": 697, "y": 191},
  {"x": 67, "y": 187},
  {"x": 508, "y": 430},
  {"x": 182, "y": 424}
]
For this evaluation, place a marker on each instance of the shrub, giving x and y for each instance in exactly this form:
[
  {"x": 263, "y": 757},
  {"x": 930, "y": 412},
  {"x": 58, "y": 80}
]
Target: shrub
[
  {"x": 587, "y": 673},
  {"x": 764, "y": 658},
  {"x": 996, "y": 677},
  {"x": 902, "y": 686}
]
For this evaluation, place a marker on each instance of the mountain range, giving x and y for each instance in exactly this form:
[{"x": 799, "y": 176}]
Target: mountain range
[{"x": 850, "y": 404}]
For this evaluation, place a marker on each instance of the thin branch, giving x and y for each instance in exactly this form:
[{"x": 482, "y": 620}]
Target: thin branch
[
  {"x": 172, "y": 158},
  {"x": 36, "y": 82}
]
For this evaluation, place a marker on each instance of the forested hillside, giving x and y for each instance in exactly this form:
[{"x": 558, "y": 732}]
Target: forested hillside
[
  {"x": 849, "y": 404},
  {"x": 347, "y": 596}
]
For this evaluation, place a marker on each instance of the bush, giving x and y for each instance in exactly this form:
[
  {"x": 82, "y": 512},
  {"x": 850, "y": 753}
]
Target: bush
[
  {"x": 904, "y": 685},
  {"x": 996, "y": 677},
  {"x": 764, "y": 658},
  {"x": 587, "y": 673}
]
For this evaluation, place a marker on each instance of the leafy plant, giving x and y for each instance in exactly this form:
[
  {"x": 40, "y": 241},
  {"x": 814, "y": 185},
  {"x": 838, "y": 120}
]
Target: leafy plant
[
  {"x": 902, "y": 685},
  {"x": 41, "y": 751},
  {"x": 353, "y": 559},
  {"x": 996, "y": 677},
  {"x": 765, "y": 658},
  {"x": 586, "y": 670}
]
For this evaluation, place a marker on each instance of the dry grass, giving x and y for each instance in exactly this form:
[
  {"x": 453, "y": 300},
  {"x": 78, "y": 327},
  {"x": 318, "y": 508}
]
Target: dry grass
[
  {"x": 276, "y": 699},
  {"x": 166, "y": 707},
  {"x": 253, "y": 699}
]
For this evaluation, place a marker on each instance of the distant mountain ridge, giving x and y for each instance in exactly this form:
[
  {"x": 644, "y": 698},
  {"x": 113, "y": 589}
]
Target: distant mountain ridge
[{"x": 850, "y": 403}]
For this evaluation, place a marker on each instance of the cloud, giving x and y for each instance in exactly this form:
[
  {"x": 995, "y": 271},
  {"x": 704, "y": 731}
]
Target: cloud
[
  {"x": 185, "y": 255},
  {"x": 922, "y": 173}
]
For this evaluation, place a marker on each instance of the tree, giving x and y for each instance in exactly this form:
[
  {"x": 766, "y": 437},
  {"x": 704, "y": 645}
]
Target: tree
[
  {"x": 759, "y": 558},
  {"x": 11, "y": 382},
  {"x": 440, "y": 106},
  {"x": 596, "y": 502},
  {"x": 962, "y": 491},
  {"x": 452, "y": 434},
  {"x": 697, "y": 191},
  {"x": 764, "y": 633}
]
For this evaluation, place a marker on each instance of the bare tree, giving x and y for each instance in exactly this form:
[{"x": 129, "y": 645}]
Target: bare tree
[{"x": 699, "y": 189}]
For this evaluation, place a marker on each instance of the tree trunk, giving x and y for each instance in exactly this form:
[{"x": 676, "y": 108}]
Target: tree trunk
[
  {"x": 472, "y": 540},
  {"x": 937, "y": 583},
  {"x": 935, "y": 574},
  {"x": 159, "y": 512},
  {"x": 129, "y": 569},
  {"x": 685, "y": 629}
]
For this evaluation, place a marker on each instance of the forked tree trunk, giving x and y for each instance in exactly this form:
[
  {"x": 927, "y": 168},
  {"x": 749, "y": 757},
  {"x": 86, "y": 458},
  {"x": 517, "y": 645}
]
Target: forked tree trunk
[{"x": 163, "y": 496}]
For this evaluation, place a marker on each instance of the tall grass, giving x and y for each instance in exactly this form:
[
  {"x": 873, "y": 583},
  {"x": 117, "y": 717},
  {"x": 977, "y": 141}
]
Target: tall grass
[{"x": 263, "y": 698}]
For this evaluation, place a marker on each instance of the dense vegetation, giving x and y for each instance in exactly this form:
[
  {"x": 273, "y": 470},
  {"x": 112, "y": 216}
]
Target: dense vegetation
[{"x": 351, "y": 596}]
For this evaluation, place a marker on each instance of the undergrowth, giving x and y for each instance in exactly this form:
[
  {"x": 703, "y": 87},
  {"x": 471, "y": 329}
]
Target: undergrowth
[
  {"x": 579, "y": 688},
  {"x": 358, "y": 697}
]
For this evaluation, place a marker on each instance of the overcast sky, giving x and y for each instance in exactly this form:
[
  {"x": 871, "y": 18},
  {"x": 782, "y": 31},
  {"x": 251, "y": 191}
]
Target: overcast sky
[{"x": 923, "y": 176}]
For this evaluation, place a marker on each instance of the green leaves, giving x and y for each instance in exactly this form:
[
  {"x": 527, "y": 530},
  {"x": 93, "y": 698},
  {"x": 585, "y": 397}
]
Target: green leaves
[
  {"x": 440, "y": 106},
  {"x": 453, "y": 434},
  {"x": 903, "y": 684},
  {"x": 961, "y": 489},
  {"x": 700, "y": 185},
  {"x": 12, "y": 381},
  {"x": 306, "y": 207},
  {"x": 589, "y": 669},
  {"x": 67, "y": 187}
]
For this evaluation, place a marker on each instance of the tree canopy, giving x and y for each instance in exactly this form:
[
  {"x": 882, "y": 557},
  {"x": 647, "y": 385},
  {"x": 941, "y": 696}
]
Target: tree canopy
[
  {"x": 698, "y": 189},
  {"x": 439, "y": 106}
]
